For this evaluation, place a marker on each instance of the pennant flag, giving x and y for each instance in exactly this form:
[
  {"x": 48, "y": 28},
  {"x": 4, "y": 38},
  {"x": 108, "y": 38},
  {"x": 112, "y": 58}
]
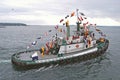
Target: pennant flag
[
  {"x": 80, "y": 18},
  {"x": 50, "y": 30},
  {"x": 87, "y": 22},
  {"x": 85, "y": 27},
  {"x": 39, "y": 38},
  {"x": 97, "y": 30},
  {"x": 47, "y": 45},
  {"x": 100, "y": 32},
  {"x": 34, "y": 43},
  {"x": 56, "y": 27},
  {"x": 91, "y": 24},
  {"x": 64, "y": 31},
  {"x": 46, "y": 34},
  {"x": 82, "y": 14},
  {"x": 104, "y": 35},
  {"x": 61, "y": 20},
  {"x": 63, "y": 23},
  {"x": 72, "y": 14},
  {"x": 28, "y": 46},
  {"x": 66, "y": 16},
  {"x": 53, "y": 36},
  {"x": 85, "y": 17},
  {"x": 60, "y": 30},
  {"x": 77, "y": 9}
]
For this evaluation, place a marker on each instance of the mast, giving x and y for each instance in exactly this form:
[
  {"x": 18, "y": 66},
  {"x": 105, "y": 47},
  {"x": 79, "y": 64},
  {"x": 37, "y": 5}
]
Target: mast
[{"x": 78, "y": 23}]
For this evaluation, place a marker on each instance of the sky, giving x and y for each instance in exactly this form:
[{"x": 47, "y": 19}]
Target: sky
[{"x": 49, "y": 12}]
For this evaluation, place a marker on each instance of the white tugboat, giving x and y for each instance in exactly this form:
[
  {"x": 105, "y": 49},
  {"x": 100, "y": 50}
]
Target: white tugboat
[{"x": 82, "y": 45}]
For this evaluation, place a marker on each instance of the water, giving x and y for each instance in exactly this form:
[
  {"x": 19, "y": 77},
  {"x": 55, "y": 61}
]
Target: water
[{"x": 14, "y": 39}]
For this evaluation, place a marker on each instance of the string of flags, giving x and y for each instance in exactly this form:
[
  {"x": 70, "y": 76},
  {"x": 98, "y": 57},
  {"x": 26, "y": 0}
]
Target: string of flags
[
  {"x": 39, "y": 38},
  {"x": 63, "y": 21}
]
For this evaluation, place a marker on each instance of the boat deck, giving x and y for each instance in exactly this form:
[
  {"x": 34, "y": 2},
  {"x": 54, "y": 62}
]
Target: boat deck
[{"x": 27, "y": 55}]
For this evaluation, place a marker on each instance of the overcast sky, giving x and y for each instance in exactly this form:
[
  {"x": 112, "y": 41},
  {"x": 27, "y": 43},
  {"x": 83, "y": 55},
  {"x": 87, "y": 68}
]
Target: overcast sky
[{"x": 101, "y": 12}]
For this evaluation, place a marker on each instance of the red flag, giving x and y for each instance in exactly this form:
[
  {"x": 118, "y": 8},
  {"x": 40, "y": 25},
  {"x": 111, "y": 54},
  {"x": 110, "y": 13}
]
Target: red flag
[
  {"x": 80, "y": 18},
  {"x": 61, "y": 20},
  {"x": 72, "y": 14},
  {"x": 87, "y": 22}
]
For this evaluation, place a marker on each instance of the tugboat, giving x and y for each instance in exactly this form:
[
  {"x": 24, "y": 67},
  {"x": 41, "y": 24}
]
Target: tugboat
[{"x": 82, "y": 45}]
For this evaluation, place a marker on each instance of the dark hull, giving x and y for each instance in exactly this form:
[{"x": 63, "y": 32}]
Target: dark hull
[{"x": 24, "y": 64}]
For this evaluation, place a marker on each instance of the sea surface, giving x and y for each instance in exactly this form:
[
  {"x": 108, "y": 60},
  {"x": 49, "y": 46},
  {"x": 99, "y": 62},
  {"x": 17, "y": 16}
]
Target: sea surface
[{"x": 16, "y": 38}]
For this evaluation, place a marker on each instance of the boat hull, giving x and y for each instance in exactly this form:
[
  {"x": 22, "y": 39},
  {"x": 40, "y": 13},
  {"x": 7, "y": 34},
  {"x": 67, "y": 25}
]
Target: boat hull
[{"x": 77, "y": 57}]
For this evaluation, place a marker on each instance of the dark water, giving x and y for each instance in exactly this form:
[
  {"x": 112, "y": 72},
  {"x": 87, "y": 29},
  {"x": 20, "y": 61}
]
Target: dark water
[{"x": 15, "y": 39}]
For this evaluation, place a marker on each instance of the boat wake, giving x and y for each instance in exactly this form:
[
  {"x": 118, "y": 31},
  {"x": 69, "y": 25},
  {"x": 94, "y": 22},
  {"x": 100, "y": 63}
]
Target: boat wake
[
  {"x": 46, "y": 68},
  {"x": 5, "y": 61}
]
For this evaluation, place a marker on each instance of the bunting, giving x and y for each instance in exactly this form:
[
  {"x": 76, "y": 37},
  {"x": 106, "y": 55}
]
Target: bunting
[{"x": 64, "y": 21}]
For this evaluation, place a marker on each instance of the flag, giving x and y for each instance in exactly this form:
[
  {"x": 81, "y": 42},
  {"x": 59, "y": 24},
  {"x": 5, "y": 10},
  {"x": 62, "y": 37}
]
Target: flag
[
  {"x": 56, "y": 27},
  {"x": 60, "y": 30},
  {"x": 85, "y": 17},
  {"x": 61, "y": 20},
  {"x": 80, "y": 18},
  {"x": 91, "y": 24},
  {"x": 97, "y": 30},
  {"x": 77, "y": 9},
  {"x": 87, "y": 22},
  {"x": 66, "y": 16},
  {"x": 64, "y": 31},
  {"x": 82, "y": 14},
  {"x": 85, "y": 27},
  {"x": 39, "y": 38},
  {"x": 72, "y": 14},
  {"x": 46, "y": 34},
  {"x": 49, "y": 30},
  {"x": 28, "y": 46},
  {"x": 104, "y": 35},
  {"x": 63, "y": 23},
  {"x": 34, "y": 43}
]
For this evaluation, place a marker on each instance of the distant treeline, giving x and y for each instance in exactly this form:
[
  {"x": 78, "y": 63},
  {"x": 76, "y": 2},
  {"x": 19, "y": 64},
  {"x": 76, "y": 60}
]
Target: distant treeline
[{"x": 12, "y": 24}]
